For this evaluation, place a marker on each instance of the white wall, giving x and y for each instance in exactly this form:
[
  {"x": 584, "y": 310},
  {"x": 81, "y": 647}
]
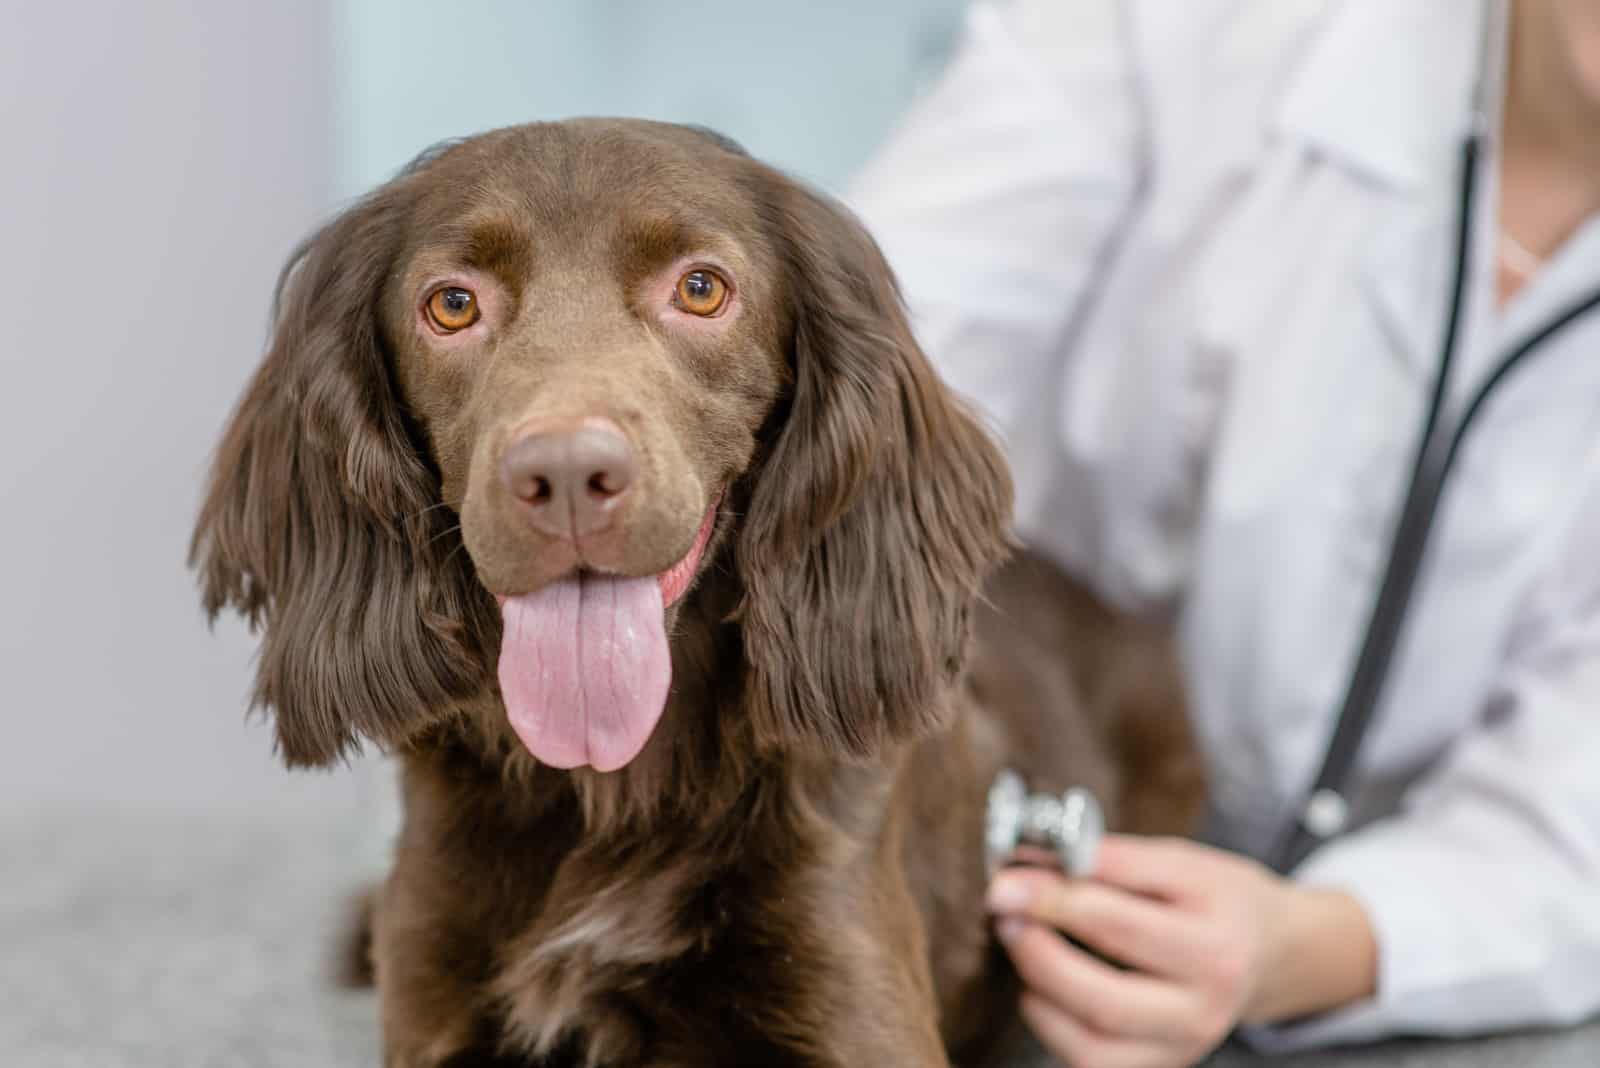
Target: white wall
[
  {"x": 160, "y": 158},
  {"x": 807, "y": 84}
]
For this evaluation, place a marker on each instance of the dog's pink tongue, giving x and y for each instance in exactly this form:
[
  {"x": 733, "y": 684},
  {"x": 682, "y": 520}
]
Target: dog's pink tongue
[{"x": 584, "y": 669}]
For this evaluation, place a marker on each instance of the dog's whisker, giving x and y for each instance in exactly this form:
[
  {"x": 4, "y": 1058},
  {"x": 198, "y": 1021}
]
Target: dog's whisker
[
  {"x": 445, "y": 533},
  {"x": 420, "y": 512},
  {"x": 451, "y": 554}
]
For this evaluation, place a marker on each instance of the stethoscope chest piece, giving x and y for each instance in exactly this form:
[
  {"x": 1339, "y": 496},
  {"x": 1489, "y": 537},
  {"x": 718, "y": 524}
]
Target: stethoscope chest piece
[{"x": 1069, "y": 825}]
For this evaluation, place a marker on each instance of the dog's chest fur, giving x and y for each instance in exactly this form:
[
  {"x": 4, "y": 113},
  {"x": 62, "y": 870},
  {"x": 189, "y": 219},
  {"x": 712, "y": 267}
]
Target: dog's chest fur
[{"x": 747, "y": 945}]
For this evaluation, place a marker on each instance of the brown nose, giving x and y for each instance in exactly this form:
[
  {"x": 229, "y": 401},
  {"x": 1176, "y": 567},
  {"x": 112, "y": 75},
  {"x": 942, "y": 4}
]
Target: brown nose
[{"x": 570, "y": 479}]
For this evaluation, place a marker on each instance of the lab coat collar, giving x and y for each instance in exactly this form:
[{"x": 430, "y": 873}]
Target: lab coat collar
[
  {"x": 1362, "y": 96},
  {"x": 1399, "y": 121}
]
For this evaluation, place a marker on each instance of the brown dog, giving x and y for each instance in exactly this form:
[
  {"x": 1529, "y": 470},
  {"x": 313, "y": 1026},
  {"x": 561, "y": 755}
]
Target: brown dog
[{"x": 594, "y": 471}]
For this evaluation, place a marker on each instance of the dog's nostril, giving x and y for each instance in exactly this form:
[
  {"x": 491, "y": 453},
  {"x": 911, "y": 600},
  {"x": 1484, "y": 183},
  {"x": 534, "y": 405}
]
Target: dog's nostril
[{"x": 570, "y": 478}]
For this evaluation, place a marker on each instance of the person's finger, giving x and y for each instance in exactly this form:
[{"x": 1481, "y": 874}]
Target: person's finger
[
  {"x": 1079, "y": 1047},
  {"x": 1165, "y": 868},
  {"x": 1112, "y": 1003},
  {"x": 1128, "y": 928}
]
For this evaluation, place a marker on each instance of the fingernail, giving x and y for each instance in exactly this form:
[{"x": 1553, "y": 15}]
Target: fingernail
[
  {"x": 1009, "y": 929},
  {"x": 1008, "y": 895}
]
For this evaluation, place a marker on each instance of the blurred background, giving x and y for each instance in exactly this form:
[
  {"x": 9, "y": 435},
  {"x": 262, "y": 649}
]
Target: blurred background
[
  {"x": 167, "y": 889},
  {"x": 161, "y": 159}
]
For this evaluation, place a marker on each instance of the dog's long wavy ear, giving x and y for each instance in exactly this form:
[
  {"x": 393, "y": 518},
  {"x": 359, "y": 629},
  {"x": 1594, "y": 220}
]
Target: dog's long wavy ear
[
  {"x": 877, "y": 513},
  {"x": 319, "y": 522}
]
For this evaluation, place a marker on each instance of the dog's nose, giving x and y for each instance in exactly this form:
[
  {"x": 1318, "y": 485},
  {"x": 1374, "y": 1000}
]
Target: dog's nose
[{"x": 570, "y": 478}]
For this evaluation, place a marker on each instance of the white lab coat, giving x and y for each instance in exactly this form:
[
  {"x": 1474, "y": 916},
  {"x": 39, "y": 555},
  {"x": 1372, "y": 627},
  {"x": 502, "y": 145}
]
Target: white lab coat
[{"x": 1192, "y": 260}]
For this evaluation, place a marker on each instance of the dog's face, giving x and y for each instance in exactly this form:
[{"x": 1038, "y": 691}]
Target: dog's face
[
  {"x": 588, "y": 330},
  {"x": 520, "y": 398}
]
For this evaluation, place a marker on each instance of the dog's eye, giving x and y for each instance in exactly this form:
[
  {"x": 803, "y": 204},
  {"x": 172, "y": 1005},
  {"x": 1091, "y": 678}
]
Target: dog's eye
[
  {"x": 451, "y": 308},
  {"x": 701, "y": 292}
]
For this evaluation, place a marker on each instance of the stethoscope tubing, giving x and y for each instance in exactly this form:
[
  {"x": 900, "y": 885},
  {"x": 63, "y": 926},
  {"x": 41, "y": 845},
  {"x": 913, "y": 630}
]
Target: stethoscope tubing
[{"x": 1436, "y": 457}]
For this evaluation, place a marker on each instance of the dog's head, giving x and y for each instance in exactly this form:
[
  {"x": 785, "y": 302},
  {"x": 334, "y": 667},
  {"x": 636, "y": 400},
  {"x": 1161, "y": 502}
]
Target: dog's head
[{"x": 518, "y": 400}]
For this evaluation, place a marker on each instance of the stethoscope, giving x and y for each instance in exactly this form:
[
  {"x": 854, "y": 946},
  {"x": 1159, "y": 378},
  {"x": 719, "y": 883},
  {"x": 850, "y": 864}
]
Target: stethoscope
[
  {"x": 1325, "y": 811},
  {"x": 1071, "y": 825}
]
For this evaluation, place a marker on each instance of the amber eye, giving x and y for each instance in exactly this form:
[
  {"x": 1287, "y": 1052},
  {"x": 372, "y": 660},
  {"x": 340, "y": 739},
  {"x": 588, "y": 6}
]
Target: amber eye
[
  {"x": 702, "y": 292},
  {"x": 452, "y": 308}
]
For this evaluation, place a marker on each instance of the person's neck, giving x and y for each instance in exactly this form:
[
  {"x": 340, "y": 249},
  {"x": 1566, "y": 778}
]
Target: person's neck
[
  {"x": 1551, "y": 124},
  {"x": 1550, "y": 150}
]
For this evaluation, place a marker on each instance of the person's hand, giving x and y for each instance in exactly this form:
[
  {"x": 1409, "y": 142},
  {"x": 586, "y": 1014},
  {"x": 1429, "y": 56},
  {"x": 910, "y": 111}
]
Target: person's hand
[{"x": 1209, "y": 939}]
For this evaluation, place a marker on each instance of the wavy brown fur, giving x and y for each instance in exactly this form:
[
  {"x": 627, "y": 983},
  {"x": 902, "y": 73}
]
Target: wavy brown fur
[{"x": 790, "y": 873}]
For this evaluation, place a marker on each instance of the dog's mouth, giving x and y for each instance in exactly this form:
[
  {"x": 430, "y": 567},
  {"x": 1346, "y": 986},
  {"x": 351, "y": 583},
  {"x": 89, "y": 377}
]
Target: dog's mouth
[{"x": 584, "y": 663}]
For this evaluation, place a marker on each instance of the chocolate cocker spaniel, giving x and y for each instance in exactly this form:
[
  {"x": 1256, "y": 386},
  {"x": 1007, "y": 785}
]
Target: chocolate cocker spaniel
[{"x": 594, "y": 472}]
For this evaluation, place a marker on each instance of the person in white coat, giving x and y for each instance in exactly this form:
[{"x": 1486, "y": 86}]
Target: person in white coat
[{"x": 1198, "y": 264}]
